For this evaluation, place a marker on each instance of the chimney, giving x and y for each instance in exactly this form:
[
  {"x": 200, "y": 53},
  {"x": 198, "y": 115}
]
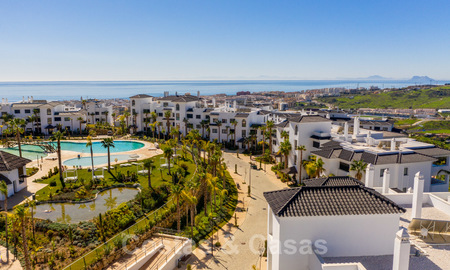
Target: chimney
[
  {"x": 417, "y": 196},
  {"x": 356, "y": 127},
  {"x": 198, "y": 94},
  {"x": 23, "y": 99},
  {"x": 369, "y": 175},
  {"x": 214, "y": 102},
  {"x": 235, "y": 104},
  {"x": 369, "y": 138},
  {"x": 402, "y": 248},
  {"x": 386, "y": 181},
  {"x": 32, "y": 99},
  {"x": 328, "y": 116},
  {"x": 345, "y": 131},
  {"x": 393, "y": 144}
]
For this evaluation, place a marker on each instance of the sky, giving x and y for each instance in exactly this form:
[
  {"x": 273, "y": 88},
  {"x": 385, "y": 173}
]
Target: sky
[{"x": 65, "y": 40}]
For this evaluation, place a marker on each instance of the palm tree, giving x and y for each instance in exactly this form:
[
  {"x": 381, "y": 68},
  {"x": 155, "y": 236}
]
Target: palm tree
[
  {"x": 80, "y": 120},
  {"x": 21, "y": 213},
  {"x": 148, "y": 163},
  {"x": 31, "y": 205},
  {"x": 300, "y": 148},
  {"x": 135, "y": 114},
  {"x": 127, "y": 115},
  {"x": 192, "y": 201},
  {"x": 107, "y": 143},
  {"x": 168, "y": 152},
  {"x": 186, "y": 122},
  {"x": 32, "y": 119},
  {"x": 285, "y": 149},
  {"x": 359, "y": 166},
  {"x": 4, "y": 191},
  {"x": 57, "y": 136},
  {"x": 319, "y": 167},
  {"x": 37, "y": 119},
  {"x": 270, "y": 126},
  {"x": 284, "y": 135},
  {"x": 167, "y": 115},
  {"x": 176, "y": 191},
  {"x": 16, "y": 125},
  {"x": 89, "y": 143}
]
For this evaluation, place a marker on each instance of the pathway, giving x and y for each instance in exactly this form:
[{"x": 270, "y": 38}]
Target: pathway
[{"x": 241, "y": 246}]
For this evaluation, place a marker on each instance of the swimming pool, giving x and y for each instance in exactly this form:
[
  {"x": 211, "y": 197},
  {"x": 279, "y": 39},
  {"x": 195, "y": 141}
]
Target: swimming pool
[
  {"x": 99, "y": 160},
  {"x": 32, "y": 151}
]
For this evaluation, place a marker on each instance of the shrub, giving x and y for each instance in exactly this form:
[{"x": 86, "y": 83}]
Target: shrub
[{"x": 53, "y": 183}]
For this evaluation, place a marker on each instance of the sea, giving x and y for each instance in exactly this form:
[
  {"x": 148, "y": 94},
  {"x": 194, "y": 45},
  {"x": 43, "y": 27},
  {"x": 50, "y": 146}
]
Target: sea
[{"x": 75, "y": 90}]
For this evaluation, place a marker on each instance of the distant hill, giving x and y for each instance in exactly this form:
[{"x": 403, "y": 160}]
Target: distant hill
[
  {"x": 434, "y": 98},
  {"x": 376, "y": 77},
  {"x": 421, "y": 79}
]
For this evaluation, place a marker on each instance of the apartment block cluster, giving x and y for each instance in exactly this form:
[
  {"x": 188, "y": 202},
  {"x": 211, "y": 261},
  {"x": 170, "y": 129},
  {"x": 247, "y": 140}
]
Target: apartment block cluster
[{"x": 44, "y": 117}]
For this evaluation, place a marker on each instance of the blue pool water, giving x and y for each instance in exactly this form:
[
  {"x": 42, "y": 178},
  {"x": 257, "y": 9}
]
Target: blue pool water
[
  {"x": 33, "y": 152},
  {"x": 99, "y": 160}
]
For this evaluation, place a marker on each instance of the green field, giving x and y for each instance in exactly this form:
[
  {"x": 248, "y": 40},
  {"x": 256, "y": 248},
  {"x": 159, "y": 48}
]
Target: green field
[{"x": 435, "y": 98}]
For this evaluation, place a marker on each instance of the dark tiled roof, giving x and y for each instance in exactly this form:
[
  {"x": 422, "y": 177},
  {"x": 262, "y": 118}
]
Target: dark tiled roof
[
  {"x": 326, "y": 153},
  {"x": 290, "y": 170},
  {"x": 9, "y": 162},
  {"x": 5, "y": 179},
  {"x": 346, "y": 155},
  {"x": 432, "y": 151},
  {"x": 332, "y": 144},
  {"x": 241, "y": 115},
  {"x": 283, "y": 124},
  {"x": 332, "y": 181},
  {"x": 330, "y": 201},
  {"x": 141, "y": 96},
  {"x": 187, "y": 98}
]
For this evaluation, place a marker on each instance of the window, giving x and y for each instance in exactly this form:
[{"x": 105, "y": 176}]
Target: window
[
  {"x": 244, "y": 133},
  {"x": 215, "y": 120},
  {"x": 177, "y": 107},
  {"x": 165, "y": 104},
  {"x": 160, "y": 114},
  {"x": 295, "y": 144},
  {"x": 214, "y": 130},
  {"x": 198, "y": 116},
  {"x": 97, "y": 113},
  {"x": 274, "y": 142},
  {"x": 316, "y": 144},
  {"x": 49, "y": 121},
  {"x": 382, "y": 172},
  {"x": 231, "y": 120},
  {"x": 344, "y": 166},
  {"x": 27, "y": 111},
  {"x": 57, "y": 119},
  {"x": 146, "y": 111},
  {"x": 296, "y": 130},
  {"x": 133, "y": 102},
  {"x": 198, "y": 126},
  {"x": 49, "y": 112},
  {"x": 405, "y": 172},
  {"x": 16, "y": 111},
  {"x": 224, "y": 131},
  {"x": 295, "y": 159},
  {"x": 66, "y": 118},
  {"x": 262, "y": 132},
  {"x": 190, "y": 116},
  {"x": 244, "y": 123},
  {"x": 224, "y": 121},
  {"x": 178, "y": 116}
]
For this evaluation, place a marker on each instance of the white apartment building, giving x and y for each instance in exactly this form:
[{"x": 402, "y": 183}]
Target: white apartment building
[{"x": 13, "y": 172}]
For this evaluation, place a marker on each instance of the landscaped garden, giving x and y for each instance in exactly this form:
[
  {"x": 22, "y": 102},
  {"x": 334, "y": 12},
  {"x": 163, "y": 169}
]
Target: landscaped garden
[{"x": 187, "y": 191}]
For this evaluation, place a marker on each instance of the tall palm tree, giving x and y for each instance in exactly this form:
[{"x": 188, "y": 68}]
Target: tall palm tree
[
  {"x": 89, "y": 144},
  {"x": 127, "y": 116},
  {"x": 57, "y": 136},
  {"x": 135, "y": 114},
  {"x": 300, "y": 148},
  {"x": 186, "y": 122},
  {"x": 80, "y": 120},
  {"x": 359, "y": 166},
  {"x": 149, "y": 164},
  {"x": 21, "y": 213},
  {"x": 4, "y": 191},
  {"x": 16, "y": 125},
  {"x": 192, "y": 201},
  {"x": 36, "y": 115},
  {"x": 319, "y": 167},
  {"x": 176, "y": 191},
  {"x": 270, "y": 125},
  {"x": 32, "y": 119},
  {"x": 168, "y": 152},
  {"x": 167, "y": 115},
  {"x": 284, "y": 135},
  {"x": 285, "y": 149},
  {"x": 107, "y": 143}
]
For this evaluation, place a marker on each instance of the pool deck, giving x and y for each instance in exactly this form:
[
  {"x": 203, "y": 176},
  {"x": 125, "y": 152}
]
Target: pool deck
[{"x": 47, "y": 164}]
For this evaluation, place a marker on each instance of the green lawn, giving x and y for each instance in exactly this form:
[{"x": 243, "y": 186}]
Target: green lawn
[
  {"x": 437, "y": 97},
  {"x": 158, "y": 177},
  {"x": 404, "y": 122}
]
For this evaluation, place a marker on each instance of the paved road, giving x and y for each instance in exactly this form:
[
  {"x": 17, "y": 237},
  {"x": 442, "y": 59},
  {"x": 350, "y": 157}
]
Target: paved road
[{"x": 242, "y": 252}]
